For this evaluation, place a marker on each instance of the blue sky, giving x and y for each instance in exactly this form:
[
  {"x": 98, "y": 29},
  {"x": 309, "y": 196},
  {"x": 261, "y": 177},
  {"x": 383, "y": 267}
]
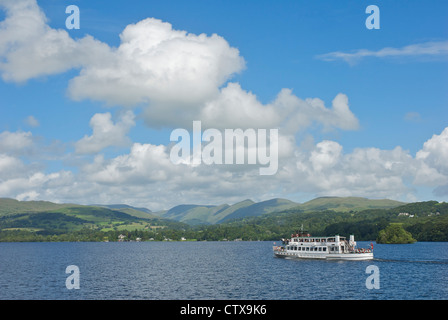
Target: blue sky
[{"x": 394, "y": 78}]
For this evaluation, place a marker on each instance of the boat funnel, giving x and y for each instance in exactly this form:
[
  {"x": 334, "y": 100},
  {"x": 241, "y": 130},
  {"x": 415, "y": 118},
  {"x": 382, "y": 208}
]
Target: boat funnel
[{"x": 352, "y": 240}]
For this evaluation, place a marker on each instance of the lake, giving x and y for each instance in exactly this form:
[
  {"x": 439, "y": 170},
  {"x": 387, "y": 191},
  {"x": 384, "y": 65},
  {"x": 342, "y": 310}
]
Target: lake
[{"x": 216, "y": 270}]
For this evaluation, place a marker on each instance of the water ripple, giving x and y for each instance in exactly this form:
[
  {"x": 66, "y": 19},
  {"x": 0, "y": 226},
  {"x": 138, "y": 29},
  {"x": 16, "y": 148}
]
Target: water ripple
[{"x": 215, "y": 270}]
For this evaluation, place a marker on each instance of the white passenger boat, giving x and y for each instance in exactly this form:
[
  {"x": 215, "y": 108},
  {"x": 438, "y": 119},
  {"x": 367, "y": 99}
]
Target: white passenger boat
[{"x": 304, "y": 246}]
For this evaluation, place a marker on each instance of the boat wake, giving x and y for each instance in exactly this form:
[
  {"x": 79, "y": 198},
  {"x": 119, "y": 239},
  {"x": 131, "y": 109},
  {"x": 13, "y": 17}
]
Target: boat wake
[{"x": 443, "y": 261}]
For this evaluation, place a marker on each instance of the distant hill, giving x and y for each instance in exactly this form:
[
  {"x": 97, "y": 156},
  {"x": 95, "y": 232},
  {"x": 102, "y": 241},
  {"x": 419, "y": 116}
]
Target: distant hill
[
  {"x": 122, "y": 206},
  {"x": 233, "y": 210},
  {"x": 260, "y": 208},
  {"x": 44, "y": 215},
  {"x": 211, "y": 214},
  {"x": 248, "y": 220},
  {"x": 133, "y": 211},
  {"x": 201, "y": 214},
  {"x": 346, "y": 204},
  {"x": 11, "y": 206},
  {"x": 48, "y": 217}
]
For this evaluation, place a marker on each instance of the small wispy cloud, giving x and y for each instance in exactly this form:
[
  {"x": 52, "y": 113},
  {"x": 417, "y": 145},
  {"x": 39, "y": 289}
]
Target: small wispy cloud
[
  {"x": 432, "y": 48},
  {"x": 32, "y": 121},
  {"x": 413, "y": 117}
]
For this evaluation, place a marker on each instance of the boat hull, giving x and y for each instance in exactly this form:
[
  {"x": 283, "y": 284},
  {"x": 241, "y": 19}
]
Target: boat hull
[{"x": 326, "y": 256}]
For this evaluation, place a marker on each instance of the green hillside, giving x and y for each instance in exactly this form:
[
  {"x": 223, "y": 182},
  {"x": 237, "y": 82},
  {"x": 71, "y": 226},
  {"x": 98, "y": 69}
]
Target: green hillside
[
  {"x": 425, "y": 221},
  {"x": 50, "y": 218},
  {"x": 346, "y": 204},
  {"x": 202, "y": 214},
  {"x": 133, "y": 211},
  {"x": 11, "y": 206},
  {"x": 44, "y": 216},
  {"x": 230, "y": 210},
  {"x": 260, "y": 208},
  {"x": 210, "y": 214}
]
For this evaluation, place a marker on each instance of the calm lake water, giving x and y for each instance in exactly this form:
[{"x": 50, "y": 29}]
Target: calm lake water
[{"x": 216, "y": 270}]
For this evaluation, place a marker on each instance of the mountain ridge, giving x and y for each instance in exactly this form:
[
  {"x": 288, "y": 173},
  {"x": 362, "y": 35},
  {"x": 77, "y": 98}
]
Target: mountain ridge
[
  {"x": 191, "y": 214},
  {"x": 215, "y": 214},
  {"x": 348, "y": 204}
]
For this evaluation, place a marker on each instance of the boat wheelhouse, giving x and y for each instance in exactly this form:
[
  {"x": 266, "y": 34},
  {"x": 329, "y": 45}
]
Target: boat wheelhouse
[{"x": 305, "y": 246}]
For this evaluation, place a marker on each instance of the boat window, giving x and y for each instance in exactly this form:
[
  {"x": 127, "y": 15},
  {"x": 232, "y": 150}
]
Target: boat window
[
  {"x": 320, "y": 248},
  {"x": 324, "y": 248}
]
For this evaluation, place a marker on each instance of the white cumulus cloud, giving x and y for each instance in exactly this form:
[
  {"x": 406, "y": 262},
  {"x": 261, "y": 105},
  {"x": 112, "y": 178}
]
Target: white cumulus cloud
[
  {"x": 433, "y": 158},
  {"x": 29, "y": 48},
  {"x": 15, "y": 142},
  {"x": 106, "y": 133},
  {"x": 159, "y": 65},
  {"x": 435, "y": 152}
]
